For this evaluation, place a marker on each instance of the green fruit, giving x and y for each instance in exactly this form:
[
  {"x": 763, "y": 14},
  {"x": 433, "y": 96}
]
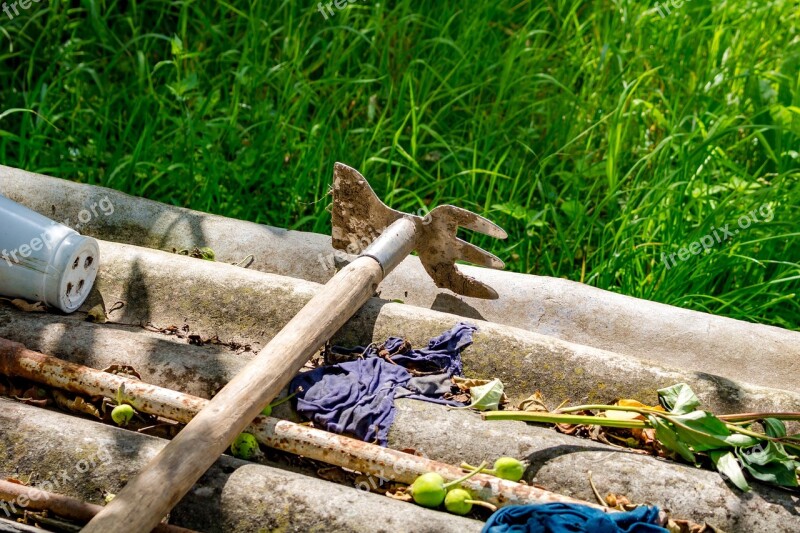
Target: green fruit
[
  {"x": 428, "y": 490},
  {"x": 458, "y": 501},
  {"x": 122, "y": 414},
  {"x": 509, "y": 468},
  {"x": 268, "y": 409},
  {"x": 245, "y": 446}
]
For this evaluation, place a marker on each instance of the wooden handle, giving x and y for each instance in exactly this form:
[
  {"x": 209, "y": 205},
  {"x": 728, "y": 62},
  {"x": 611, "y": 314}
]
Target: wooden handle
[{"x": 157, "y": 489}]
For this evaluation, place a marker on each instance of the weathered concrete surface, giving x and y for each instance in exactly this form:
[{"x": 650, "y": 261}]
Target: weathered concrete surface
[
  {"x": 564, "y": 463},
  {"x": 86, "y": 459},
  {"x": 560, "y": 462},
  {"x": 339, "y": 508},
  {"x": 159, "y": 359},
  {"x": 34, "y": 441},
  {"x": 567, "y": 310},
  {"x": 248, "y": 307}
]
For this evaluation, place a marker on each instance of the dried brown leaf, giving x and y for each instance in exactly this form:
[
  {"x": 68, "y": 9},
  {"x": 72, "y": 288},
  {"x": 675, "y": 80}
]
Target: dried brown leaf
[
  {"x": 461, "y": 398},
  {"x": 31, "y": 401},
  {"x": 123, "y": 370},
  {"x": 412, "y": 451},
  {"x": 400, "y": 494},
  {"x": 618, "y": 502},
  {"x": 686, "y": 526},
  {"x": 467, "y": 383},
  {"x": 76, "y": 405},
  {"x": 34, "y": 393},
  {"x": 569, "y": 429},
  {"x": 34, "y": 396},
  {"x": 534, "y": 403},
  {"x": 10, "y": 389},
  {"x": 27, "y": 307}
]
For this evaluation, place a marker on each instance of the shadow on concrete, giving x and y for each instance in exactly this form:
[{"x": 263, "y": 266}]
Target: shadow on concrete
[
  {"x": 729, "y": 393},
  {"x": 447, "y": 303},
  {"x": 539, "y": 459}
]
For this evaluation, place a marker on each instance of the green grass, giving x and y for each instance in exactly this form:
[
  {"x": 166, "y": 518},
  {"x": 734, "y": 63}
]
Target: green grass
[{"x": 601, "y": 135}]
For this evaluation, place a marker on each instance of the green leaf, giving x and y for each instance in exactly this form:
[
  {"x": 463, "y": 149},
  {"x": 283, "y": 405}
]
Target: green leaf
[
  {"x": 176, "y": 45},
  {"x": 783, "y": 474},
  {"x": 667, "y": 436},
  {"x": 771, "y": 464},
  {"x": 573, "y": 209},
  {"x": 701, "y": 430},
  {"x": 487, "y": 397},
  {"x": 773, "y": 452},
  {"x": 184, "y": 86},
  {"x": 793, "y": 445},
  {"x": 207, "y": 254},
  {"x": 728, "y": 465},
  {"x": 121, "y": 394},
  {"x": 678, "y": 399},
  {"x": 774, "y": 427},
  {"x": 741, "y": 441}
]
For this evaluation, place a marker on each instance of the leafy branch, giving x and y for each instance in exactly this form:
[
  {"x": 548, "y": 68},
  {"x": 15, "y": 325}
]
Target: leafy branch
[{"x": 680, "y": 427}]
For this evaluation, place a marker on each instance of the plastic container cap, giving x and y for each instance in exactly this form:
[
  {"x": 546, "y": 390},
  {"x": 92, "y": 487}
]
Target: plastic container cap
[{"x": 44, "y": 261}]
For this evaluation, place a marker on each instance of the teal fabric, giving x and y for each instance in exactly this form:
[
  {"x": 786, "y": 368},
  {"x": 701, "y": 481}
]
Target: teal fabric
[{"x": 572, "y": 518}]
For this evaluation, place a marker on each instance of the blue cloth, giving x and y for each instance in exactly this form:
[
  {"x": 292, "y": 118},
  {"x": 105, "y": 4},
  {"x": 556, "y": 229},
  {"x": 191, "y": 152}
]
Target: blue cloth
[
  {"x": 571, "y": 518},
  {"x": 357, "y": 397}
]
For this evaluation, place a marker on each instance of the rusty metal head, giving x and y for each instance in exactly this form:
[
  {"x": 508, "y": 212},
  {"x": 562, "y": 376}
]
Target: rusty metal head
[{"x": 359, "y": 217}]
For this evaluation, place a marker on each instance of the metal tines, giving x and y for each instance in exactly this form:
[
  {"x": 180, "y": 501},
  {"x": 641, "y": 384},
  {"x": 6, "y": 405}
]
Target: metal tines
[{"x": 359, "y": 216}]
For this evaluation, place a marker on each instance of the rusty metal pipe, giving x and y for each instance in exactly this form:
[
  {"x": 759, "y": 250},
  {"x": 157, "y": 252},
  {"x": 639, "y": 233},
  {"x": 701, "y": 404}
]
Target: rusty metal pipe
[
  {"x": 338, "y": 450},
  {"x": 63, "y": 506}
]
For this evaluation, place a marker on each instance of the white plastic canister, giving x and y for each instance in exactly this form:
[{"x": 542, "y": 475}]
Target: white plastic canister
[{"x": 44, "y": 261}]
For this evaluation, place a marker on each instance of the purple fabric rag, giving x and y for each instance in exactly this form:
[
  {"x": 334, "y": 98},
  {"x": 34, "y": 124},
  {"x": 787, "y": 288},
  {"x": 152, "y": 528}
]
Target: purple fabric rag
[
  {"x": 357, "y": 397},
  {"x": 443, "y": 353}
]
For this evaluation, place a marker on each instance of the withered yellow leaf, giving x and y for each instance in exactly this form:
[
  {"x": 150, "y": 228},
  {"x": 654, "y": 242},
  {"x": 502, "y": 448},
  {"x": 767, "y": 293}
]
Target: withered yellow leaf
[
  {"x": 626, "y": 415},
  {"x": 97, "y": 314}
]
